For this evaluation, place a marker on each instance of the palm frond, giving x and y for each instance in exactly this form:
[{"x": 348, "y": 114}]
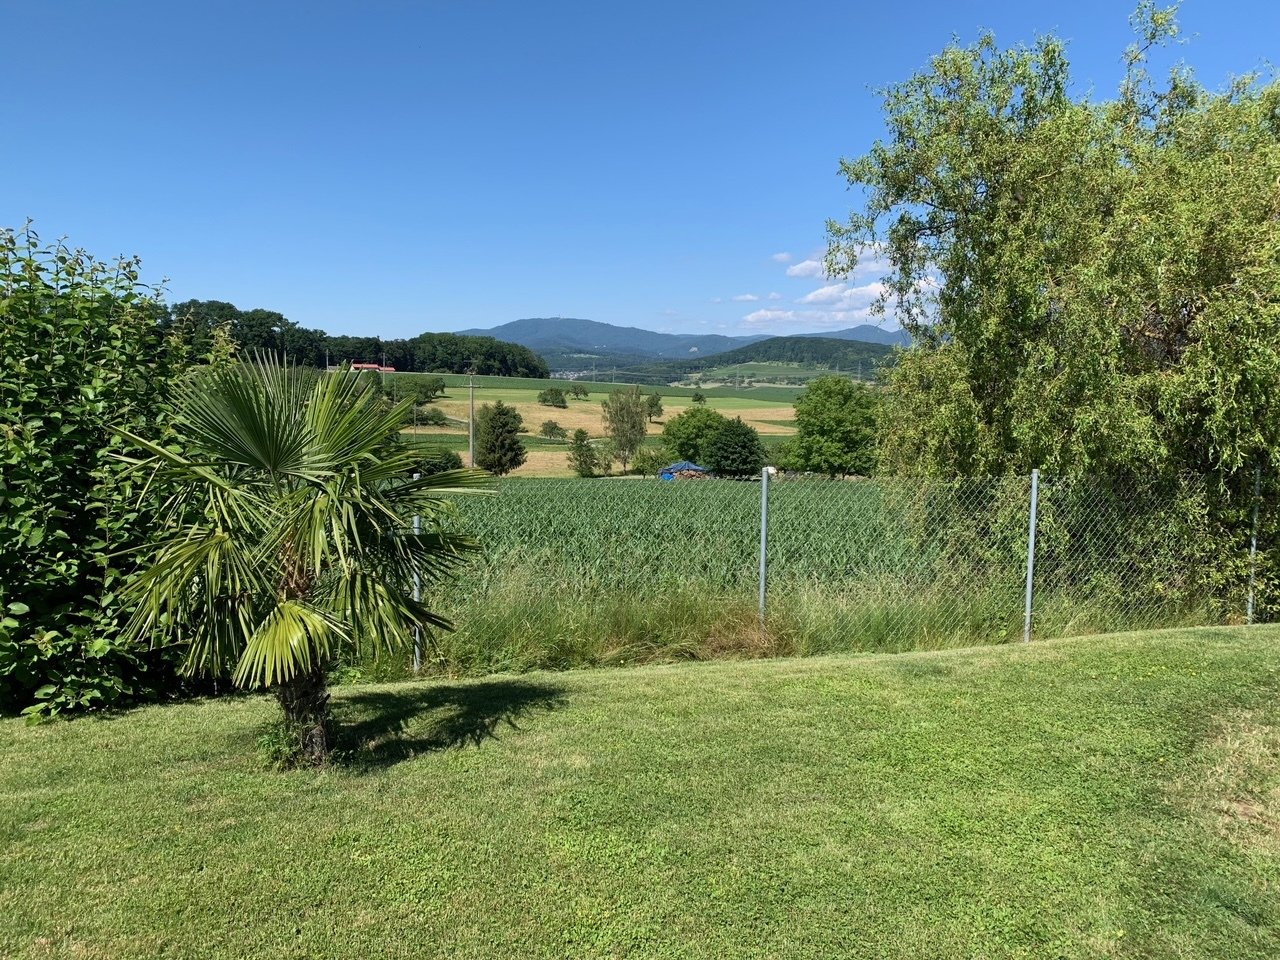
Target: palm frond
[
  {"x": 287, "y": 526},
  {"x": 293, "y": 638}
]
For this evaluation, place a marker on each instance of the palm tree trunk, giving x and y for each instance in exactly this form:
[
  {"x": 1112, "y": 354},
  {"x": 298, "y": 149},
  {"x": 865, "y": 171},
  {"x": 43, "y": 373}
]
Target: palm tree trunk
[{"x": 305, "y": 701}]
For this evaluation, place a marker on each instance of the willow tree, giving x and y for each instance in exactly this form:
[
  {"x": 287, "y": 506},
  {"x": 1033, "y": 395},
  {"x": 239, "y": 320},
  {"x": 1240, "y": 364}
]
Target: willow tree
[
  {"x": 1090, "y": 286},
  {"x": 287, "y": 537}
]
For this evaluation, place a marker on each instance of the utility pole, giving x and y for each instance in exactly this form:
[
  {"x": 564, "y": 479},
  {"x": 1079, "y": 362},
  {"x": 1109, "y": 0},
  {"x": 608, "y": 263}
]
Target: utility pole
[{"x": 471, "y": 419}]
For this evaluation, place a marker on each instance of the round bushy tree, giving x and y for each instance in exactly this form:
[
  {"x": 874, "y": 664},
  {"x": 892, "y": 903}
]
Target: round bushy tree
[
  {"x": 688, "y": 433},
  {"x": 734, "y": 450},
  {"x": 432, "y": 417},
  {"x": 438, "y": 461},
  {"x": 835, "y": 429},
  {"x": 552, "y": 430}
]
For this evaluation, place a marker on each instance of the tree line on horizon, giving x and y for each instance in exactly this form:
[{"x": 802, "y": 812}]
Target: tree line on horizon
[{"x": 260, "y": 330}]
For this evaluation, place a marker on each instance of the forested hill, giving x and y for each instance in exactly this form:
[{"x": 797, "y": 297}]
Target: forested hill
[
  {"x": 261, "y": 329},
  {"x": 569, "y": 343},
  {"x": 804, "y": 350}
]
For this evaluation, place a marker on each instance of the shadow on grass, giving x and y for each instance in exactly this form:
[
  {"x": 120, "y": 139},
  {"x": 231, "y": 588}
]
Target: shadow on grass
[{"x": 379, "y": 728}]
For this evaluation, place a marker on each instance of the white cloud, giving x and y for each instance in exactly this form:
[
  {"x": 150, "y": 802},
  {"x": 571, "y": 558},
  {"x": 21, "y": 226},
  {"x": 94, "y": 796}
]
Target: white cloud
[
  {"x": 805, "y": 321},
  {"x": 717, "y": 299},
  {"x": 783, "y": 257},
  {"x": 746, "y": 298},
  {"x": 871, "y": 263},
  {"x": 844, "y": 297},
  {"x": 774, "y": 295},
  {"x": 760, "y": 318},
  {"x": 830, "y": 294},
  {"x": 808, "y": 268}
]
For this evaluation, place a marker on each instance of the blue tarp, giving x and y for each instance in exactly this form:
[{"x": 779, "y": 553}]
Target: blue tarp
[{"x": 669, "y": 473}]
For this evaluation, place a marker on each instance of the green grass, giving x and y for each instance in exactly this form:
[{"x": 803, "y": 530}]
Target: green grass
[
  {"x": 1114, "y": 796},
  {"x": 776, "y": 370},
  {"x": 494, "y": 387}
]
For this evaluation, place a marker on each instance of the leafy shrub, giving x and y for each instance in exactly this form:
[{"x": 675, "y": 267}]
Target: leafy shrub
[
  {"x": 83, "y": 354},
  {"x": 278, "y": 744},
  {"x": 649, "y": 460},
  {"x": 552, "y": 397},
  {"x": 432, "y": 417}
]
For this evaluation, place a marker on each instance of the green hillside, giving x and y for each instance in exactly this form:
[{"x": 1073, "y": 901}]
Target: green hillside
[{"x": 788, "y": 357}]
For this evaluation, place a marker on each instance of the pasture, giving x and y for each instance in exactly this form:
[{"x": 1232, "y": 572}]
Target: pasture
[
  {"x": 771, "y": 372},
  {"x": 1114, "y": 796},
  {"x": 768, "y": 409}
]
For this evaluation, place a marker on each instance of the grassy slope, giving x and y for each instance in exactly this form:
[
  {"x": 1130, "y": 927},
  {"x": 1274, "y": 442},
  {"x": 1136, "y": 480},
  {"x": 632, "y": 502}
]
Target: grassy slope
[{"x": 1110, "y": 796}]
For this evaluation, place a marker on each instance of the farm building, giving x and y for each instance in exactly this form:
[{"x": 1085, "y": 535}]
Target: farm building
[{"x": 682, "y": 470}]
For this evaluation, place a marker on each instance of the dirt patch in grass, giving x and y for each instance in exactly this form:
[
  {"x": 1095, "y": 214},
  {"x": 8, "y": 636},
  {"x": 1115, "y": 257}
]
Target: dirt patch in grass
[{"x": 1238, "y": 789}]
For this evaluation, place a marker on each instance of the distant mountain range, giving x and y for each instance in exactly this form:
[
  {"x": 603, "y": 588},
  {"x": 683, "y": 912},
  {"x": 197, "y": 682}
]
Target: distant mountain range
[{"x": 568, "y": 343}]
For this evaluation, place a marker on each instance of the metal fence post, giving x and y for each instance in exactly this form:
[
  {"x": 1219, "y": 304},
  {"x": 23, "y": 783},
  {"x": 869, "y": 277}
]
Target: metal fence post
[
  {"x": 1253, "y": 541},
  {"x": 417, "y": 596},
  {"x": 764, "y": 536},
  {"x": 1031, "y": 554}
]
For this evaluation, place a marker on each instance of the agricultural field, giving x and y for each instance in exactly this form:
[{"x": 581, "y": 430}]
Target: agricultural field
[
  {"x": 765, "y": 392},
  {"x": 618, "y": 571},
  {"x": 1114, "y": 796},
  {"x": 771, "y": 373},
  {"x": 768, "y": 409}
]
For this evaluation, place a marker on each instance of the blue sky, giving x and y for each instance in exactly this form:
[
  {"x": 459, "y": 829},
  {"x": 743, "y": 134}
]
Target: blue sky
[{"x": 385, "y": 168}]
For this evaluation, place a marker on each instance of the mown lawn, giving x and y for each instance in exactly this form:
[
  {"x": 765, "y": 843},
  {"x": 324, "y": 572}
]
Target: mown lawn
[{"x": 1110, "y": 796}]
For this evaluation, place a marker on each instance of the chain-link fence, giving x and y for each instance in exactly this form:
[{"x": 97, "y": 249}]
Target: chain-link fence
[{"x": 581, "y": 572}]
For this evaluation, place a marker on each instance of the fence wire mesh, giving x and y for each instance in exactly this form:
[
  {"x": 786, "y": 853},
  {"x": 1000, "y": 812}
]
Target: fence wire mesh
[{"x": 582, "y": 572}]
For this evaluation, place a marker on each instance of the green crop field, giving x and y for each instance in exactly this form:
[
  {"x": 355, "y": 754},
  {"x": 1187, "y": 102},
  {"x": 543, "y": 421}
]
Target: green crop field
[
  {"x": 1113, "y": 796},
  {"x": 589, "y": 572},
  {"x": 768, "y": 371}
]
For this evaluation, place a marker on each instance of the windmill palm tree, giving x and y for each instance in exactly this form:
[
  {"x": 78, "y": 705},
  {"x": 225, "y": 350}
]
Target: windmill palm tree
[{"x": 286, "y": 535}]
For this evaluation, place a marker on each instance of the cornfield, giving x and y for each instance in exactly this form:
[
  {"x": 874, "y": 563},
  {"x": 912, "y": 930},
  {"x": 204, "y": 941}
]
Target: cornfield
[{"x": 583, "y": 572}]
